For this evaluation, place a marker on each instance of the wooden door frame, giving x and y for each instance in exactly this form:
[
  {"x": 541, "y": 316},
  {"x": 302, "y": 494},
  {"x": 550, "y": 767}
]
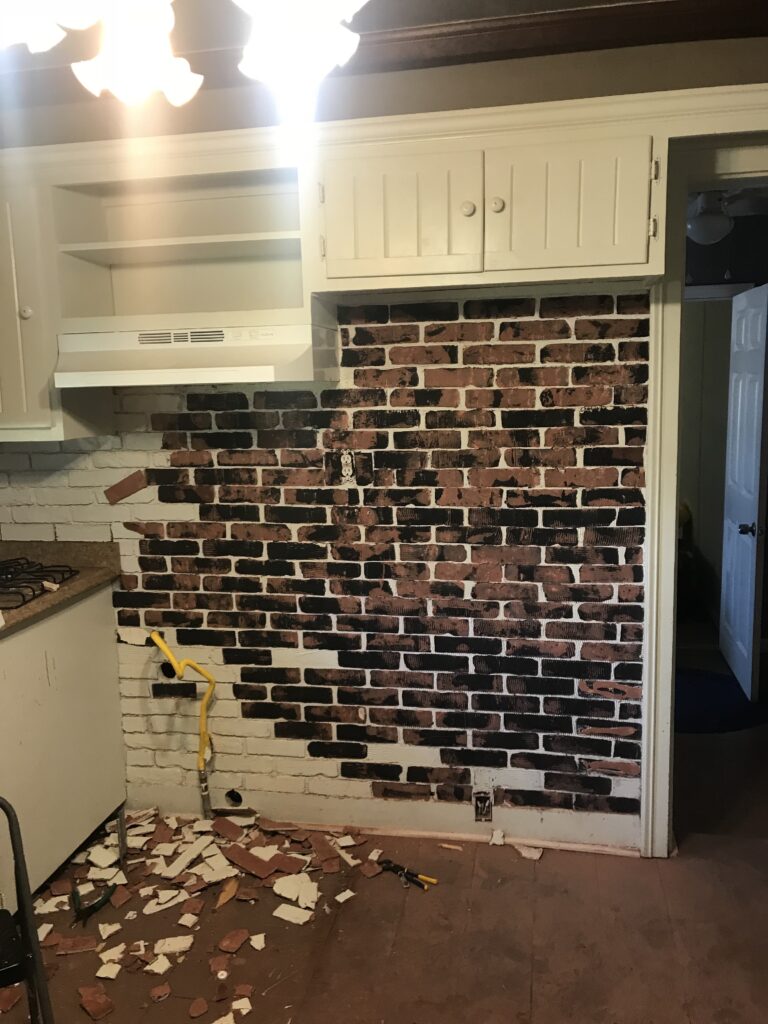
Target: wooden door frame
[{"x": 709, "y": 163}]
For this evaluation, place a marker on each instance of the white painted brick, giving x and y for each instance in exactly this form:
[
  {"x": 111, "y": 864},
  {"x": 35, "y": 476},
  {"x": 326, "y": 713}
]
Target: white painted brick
[
  {"x": 222, "y": 781},
  {"x": 140, "y": 758},
  {"x": 517, "y": 778},
  {"x": 128, "y": 460},
  {"x": 273, "y": 784},
  {"x": 276, "y": 748},
  {"x": 156, "y": 776},
  {"x": 338, "y": 787},
  {"x": 14, "y": 463},
  {"x": 41, "y": 514},
  {"x": 36, "y": 532},
  {"x": 165, "y": 724},
  {"x": 148, "y": 441},
  {"x": 60, "y": 462},
  {"x": 91, "y": 444},
  {"x": 95, "y": 477},
  {"x": 131, "y": 422},
  {"x": 64, "y": 496},
  {"x": 133, "y": 723},
  {"x": 228, "y": 745},
  {"x": 172, "y": 758},
  {"x": 151, "y": 402},
  {"x": 246, "y": 727},
  {"x": 18, "y": 496},
  {"x": 15, "y": 447},
  {"x": 296, "y": 766},
  {"x": 627, "y": 788},
  {"x": 283, "y": 657},
  {"x": 70, "y": 532},
  {"x": 134, "y": 688}
]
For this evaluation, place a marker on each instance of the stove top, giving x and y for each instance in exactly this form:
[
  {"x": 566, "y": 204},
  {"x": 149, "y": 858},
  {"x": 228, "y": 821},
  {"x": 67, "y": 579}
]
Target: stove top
[{"x": 22, "y": 580}]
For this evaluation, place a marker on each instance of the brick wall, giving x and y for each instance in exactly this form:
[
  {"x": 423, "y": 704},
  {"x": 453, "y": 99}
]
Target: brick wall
[{"x": 469, "y": 606}]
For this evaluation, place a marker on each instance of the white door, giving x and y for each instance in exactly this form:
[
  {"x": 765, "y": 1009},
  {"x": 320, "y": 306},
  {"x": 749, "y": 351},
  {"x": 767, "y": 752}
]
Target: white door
[
  {"x": 568, "y": 204},
  {"x": 744, "y": 513},
  {"x": 406, "y": 214}
]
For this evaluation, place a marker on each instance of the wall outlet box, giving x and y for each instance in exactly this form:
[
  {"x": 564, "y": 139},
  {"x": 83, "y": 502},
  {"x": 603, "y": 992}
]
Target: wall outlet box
[{"x": 483, "y": 805}]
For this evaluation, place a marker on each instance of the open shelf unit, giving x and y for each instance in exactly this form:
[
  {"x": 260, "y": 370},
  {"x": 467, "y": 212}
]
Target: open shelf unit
[{"x": 179, "y": 248}]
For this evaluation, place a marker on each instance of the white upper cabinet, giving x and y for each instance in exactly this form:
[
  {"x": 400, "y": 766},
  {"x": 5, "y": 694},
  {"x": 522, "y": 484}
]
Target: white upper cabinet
[
  {"x": 404, "y": 214},
  {"x": 568, "y": 204},
  {"x": 498, "y": 211},
  {"x": 26, "y": 362}
]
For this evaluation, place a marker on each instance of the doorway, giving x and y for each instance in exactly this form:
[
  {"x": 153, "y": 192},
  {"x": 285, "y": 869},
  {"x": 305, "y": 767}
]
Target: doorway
[{"x": 721, "y": 711}]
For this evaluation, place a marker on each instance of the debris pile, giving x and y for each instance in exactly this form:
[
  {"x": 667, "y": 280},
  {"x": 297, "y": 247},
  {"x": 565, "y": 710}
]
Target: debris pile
[{"x": 183, "y": 868}]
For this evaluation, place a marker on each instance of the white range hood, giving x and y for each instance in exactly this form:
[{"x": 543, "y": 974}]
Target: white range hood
[{"x": 227, "y": 355}]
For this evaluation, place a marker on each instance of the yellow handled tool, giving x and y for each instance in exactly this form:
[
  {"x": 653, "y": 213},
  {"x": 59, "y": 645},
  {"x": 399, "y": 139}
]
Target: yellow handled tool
[{"x": 180, "y": 667}]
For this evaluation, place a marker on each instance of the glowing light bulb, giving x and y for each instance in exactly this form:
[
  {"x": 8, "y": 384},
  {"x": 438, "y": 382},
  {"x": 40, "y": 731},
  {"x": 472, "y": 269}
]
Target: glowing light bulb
[
  {"x": 136, "y": 57},
  {"x": 40, "y": 24},
  {"x": 294, "y": 45}
]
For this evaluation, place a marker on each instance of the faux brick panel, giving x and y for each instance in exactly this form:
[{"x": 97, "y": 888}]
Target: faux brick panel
[{"x": 473, "y": 596}]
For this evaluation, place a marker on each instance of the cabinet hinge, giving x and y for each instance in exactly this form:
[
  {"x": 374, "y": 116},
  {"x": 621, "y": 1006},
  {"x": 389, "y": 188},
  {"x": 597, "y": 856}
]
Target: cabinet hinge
[
  {"x": 653, "y": 227},
  {"x": 656, "y": 169},
  {"x": 322, "y": 246},
  {"x": 321, "y": 192}
]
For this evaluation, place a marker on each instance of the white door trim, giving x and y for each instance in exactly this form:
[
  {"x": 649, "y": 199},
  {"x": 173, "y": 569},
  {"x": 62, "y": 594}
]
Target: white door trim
[{"x": 708, "y": 163}]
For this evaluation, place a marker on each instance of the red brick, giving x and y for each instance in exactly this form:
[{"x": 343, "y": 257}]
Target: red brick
[
  {"x": 459, "y": 377},
  {"x": 393, "y": 335},
  {"x": 602, "y": 476},
  {"x": 458, "y": 332},
  {"x": 600, "y": 329},
  {"x": 499, "y": 354},
  {"x": 534, "y": 330},
  {"x": 512, "y": 398},
  {"x": 422, "y": 355},
  {"x": 566, "y": 397}
]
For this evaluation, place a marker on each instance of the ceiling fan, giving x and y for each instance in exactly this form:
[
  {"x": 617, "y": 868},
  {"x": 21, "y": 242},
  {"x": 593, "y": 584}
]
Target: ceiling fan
[{"x": 711, "y": 214}]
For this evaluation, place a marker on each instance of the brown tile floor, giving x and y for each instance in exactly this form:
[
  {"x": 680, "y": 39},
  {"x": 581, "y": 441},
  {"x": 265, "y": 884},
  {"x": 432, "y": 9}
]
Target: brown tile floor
[{"x": 572, "y": 939}]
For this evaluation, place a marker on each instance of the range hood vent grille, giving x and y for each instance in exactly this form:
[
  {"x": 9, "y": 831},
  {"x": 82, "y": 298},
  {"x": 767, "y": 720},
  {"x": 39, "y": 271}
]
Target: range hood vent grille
[{"x": 176, "y": 337}]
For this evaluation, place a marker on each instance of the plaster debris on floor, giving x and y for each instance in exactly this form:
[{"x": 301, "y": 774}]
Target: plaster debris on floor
[{"x": 183, "y": 884}]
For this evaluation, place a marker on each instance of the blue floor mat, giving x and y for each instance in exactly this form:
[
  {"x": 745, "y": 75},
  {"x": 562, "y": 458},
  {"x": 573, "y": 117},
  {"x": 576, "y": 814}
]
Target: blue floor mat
[{"x": 707, "y": 702}]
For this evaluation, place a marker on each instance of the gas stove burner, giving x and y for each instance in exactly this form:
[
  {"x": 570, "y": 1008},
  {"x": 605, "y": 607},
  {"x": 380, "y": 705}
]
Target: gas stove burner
[{"x": 22, "y": 580}]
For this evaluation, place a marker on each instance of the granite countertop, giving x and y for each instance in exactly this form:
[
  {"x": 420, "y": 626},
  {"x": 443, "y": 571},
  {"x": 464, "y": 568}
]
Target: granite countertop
[{"x": 98, "y": 565}]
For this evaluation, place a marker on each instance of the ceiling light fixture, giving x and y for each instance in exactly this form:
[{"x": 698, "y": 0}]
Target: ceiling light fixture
[
  {"x": 294, "y": 45},
  {"x": 136, "y": 58},
  {"x": 40, "y": 24},
  {"x": 707, "y": 223}
]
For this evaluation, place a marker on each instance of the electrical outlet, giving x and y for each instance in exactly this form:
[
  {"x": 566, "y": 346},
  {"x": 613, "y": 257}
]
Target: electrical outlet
[{"x": 483, "y": 805}]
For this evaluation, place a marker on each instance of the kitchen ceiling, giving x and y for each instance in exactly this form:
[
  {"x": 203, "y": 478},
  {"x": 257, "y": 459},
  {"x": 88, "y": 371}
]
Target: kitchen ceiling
[{"x": 402, "y": 34}]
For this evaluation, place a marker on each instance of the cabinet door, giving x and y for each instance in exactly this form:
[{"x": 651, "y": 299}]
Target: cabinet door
[
  {"x": 26, "y": 363},
  {"x": 410, "y": 214},
  {"x": 568, "y": 204}
]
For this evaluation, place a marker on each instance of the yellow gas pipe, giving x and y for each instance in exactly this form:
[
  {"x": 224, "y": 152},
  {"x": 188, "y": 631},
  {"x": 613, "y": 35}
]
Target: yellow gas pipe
[{"x": 179, "y": 667}]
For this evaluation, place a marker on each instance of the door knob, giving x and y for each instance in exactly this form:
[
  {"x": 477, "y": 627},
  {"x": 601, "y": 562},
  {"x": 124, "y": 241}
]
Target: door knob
[
  {"x": 498, "y": 205},
  {"x": 26, "y": 312},
  {"x": 468, "y": 208},
  {"x": 748, "y": 528}
]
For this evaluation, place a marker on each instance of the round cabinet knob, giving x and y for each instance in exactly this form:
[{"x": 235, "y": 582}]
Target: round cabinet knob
[
  {"x": 498, "y": 205},
  {"x": 469, "y": 209},
  {"x": 26, "y": 312}
]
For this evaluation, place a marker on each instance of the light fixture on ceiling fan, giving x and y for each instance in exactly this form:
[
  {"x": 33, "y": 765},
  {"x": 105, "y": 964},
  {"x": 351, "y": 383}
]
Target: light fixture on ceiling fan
[
  {"x": 41, "y": 24},
  {"x": 708, "y": 223},
  {"x": 294, "y": 45},
  {"x": 136, "y": 58}
]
